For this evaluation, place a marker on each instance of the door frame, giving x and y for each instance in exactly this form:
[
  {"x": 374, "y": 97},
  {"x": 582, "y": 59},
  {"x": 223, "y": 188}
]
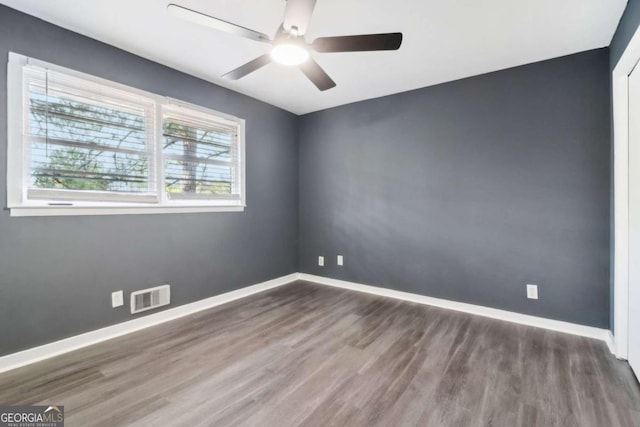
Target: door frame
[{"x": 620, "y": 93}]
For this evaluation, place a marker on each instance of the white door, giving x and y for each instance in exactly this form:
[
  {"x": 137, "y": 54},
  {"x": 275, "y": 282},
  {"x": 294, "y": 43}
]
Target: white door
[{"x": 634, "y": 220}]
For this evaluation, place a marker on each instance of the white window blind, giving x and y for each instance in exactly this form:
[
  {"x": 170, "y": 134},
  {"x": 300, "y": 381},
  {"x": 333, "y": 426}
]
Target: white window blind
[
  {"x": 201, "y": 153},
  {"x": 82, "y": 145},
  {"x": 86, "y": 141}
]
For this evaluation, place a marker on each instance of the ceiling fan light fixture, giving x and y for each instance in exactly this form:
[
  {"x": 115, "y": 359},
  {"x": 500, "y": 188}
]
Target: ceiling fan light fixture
[
  {"x": 289, "y": 54},
  {"x": 289, "y": 46}
]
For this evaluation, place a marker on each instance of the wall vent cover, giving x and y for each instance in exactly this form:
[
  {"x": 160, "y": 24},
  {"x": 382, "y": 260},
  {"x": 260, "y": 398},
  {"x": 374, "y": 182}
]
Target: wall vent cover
[{"x": 148, "y": 299}]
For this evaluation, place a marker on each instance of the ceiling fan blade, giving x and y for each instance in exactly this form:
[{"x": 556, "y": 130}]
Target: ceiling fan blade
[
  {"x": 362, "y": 43},
  {"x": 298, "y": 14},
  {"x": 215, "y": 23},
  {"x": 317, "y": 75},
  {"x": 249, "y": 67}
]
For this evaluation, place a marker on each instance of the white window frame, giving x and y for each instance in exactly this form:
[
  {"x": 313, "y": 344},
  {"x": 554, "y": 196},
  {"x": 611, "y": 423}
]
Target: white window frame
[{"x": 17, "y": 185}]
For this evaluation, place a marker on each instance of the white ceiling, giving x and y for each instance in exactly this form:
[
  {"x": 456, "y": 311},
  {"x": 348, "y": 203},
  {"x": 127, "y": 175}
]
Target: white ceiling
[{"x": 443, "y": 40}]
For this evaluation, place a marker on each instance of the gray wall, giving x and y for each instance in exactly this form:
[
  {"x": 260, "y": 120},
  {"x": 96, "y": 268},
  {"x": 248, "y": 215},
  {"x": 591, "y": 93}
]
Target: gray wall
[
  {"x": 469, "y": 190},
  {"x": 626, "y": 29},
  {"x": 57, "y": 273},
  {"x": 465, "y": 191}
]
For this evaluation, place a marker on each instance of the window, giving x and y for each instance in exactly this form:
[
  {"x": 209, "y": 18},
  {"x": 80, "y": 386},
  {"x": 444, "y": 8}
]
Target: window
[
  {"x": 83, "y": 145},
  {"x": 85, "y": 141},
  {"x": 200, "y": 155}
]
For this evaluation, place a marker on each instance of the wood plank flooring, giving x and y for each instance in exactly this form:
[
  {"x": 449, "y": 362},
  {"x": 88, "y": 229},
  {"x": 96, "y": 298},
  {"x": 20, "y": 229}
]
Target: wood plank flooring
[{"x": 310, "y": 355}]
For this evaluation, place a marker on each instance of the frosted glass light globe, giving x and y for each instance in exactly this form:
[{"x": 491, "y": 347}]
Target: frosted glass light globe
[{"x": 289, "y": 54}]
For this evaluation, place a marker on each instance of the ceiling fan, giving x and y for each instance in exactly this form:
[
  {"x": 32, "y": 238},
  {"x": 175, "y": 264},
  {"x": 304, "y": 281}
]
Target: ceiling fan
[{"x": 289, "y": 45}]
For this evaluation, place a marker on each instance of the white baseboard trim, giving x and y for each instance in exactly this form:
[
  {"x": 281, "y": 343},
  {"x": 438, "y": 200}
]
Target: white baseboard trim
[
  {"x": 494, "y": 313},
  {"x": 36, "y": 354},
  {"x": 611, "y": 343},
  {"x": 47, "y": 351}
]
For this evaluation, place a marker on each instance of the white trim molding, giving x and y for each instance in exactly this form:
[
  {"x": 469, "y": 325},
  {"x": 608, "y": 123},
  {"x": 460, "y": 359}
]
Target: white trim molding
[
  {"x": 47, "y": 351},
  {"x": 494, "y": 313},
  {"x": 620, "y": 88},
  {"x": 611, "y": 342}
]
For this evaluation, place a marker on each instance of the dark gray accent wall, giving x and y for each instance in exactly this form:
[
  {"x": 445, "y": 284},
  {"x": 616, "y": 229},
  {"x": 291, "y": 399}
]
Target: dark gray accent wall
[
  {"x": 57, "y": 273},
  {"x": 465, "y": 191},
  {"x": 469, "y": 190}
]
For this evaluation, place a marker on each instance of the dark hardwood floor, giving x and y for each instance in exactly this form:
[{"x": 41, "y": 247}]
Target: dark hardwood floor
[{"x": 312, "y": 355}]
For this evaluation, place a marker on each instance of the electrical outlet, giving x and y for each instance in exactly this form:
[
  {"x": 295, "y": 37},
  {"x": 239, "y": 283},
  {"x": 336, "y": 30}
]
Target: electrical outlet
[
  {"x": 117, "y": 299},
  {"x": 340, "y": 260},
  {"x": 532, "y": 291},
  {"x": 321, "y": 261}
]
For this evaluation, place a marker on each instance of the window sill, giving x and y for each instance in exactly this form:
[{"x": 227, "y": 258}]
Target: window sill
[{"x": 25, "y": 211}]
